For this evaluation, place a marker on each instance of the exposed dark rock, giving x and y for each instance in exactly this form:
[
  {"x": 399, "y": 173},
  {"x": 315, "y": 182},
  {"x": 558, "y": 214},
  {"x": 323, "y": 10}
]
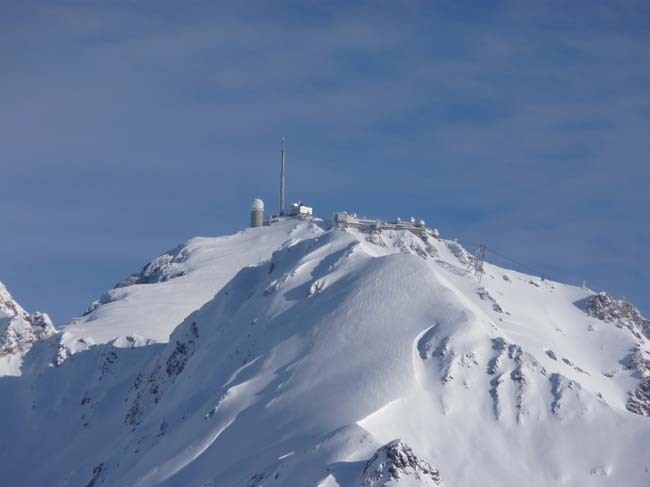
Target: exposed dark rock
[
  {"x": 611, "y": 310},
  {"x": 256, "y": 480},
  {"x": 638, "y": 401},
  {"x": 396, "y": 462},
  {"x": 160, "y": 269},
  {"x": 179, "y": 357},
  {"x": 163, "y": 429},
  {"x": 19, "y": 330},
  {"x": 459, "y": 252},
  {"x": 446, "y": 357},
  {"x": 86, "y": 399},
  {"x": 147, "y": 390},
  {"x": 97, "y": 472},
  {"x": 376, "y": 239},
  {"x": 424, "y": 343},
  {"x": 486, "y": 296}
]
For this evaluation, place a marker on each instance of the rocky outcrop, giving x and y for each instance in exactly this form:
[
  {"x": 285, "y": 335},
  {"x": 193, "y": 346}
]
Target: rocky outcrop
[
  {"x": 486, "y": 296},
  {"x": 161, "y": 269},
  {"x": 459, "y": 252},
  {"x": 148, "y": 388},
  {"x": 638, "y": 400},
  {"x": 611, "y": 310},
  {"x": 19, "y": 330},
  {"x": 626, "y": 315},
  {"x": 395, "y": 464}
]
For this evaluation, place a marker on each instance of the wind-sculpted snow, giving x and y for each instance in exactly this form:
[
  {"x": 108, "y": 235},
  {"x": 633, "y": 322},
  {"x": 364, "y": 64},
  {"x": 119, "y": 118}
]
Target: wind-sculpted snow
[{"x": 301, "y": 354}]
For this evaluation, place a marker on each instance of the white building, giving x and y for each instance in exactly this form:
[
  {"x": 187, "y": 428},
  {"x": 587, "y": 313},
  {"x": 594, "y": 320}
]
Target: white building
[
  {"x": 347, "y": 220},
  {"x": 299, "y": 209}
]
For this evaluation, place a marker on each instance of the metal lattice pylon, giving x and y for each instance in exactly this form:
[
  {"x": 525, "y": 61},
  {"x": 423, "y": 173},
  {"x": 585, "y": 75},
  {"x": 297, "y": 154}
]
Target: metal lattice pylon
[{"x": 477, "y": 261}]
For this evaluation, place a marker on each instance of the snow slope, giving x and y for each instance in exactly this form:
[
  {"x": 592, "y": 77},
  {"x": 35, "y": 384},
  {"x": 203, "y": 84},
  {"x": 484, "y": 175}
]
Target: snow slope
[
  {"x": 305, "y": 368},
  {"x": 147, "y": 306}
]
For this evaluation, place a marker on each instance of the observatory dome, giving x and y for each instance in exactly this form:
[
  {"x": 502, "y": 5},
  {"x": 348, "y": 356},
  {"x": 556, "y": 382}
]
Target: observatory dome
[{"x": 257, "y": 204}]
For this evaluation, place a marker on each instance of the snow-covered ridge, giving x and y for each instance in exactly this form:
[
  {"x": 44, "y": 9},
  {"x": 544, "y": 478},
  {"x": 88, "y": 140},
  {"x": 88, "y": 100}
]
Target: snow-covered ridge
[
  {"x": 147, "y": 306},
  {"x": 164, "y": 267},
  {"x": 303, "y": 353}
]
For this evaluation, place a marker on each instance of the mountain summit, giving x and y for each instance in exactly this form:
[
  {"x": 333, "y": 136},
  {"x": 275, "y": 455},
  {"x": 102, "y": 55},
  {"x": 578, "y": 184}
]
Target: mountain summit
[
  {"x": 19, "y": 331},
  {"x": 302, "y": 354}
]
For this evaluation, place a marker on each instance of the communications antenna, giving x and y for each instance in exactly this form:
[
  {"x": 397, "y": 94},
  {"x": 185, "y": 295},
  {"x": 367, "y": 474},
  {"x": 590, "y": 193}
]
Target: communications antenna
[{"x": 282, "y": 180}]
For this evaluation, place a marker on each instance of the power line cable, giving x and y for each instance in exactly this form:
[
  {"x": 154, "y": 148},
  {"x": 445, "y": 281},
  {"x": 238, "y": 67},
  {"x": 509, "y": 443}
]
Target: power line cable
[{"x": 525, "y": 267}]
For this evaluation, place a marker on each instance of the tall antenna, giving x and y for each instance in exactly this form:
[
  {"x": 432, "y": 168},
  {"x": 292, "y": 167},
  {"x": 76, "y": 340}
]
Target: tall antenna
[{"x": 282, "y": 180}]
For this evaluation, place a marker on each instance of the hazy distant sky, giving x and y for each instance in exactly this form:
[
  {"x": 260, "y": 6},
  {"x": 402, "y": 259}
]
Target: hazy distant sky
[{"x": 127, "y": 127}]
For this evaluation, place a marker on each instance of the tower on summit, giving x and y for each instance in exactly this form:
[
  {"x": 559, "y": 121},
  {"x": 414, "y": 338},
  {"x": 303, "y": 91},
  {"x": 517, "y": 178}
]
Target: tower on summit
[
  {"x": 282, "y": 171},
  {"x": 257, "y": 213},
  {"x": 296, "y": 210}
]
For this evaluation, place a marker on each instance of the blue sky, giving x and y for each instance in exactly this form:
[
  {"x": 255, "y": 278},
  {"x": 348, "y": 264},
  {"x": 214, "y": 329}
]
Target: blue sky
[{"x": 127, "y": 127}]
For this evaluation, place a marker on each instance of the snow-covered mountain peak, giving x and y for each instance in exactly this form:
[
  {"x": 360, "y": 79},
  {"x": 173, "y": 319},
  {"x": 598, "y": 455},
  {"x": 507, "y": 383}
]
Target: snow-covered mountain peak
[
  {"x": 8, "y": 307},
  {"x": 19, "y": 331},
  {"x": 396, "y": 465},
  {"x": 147, "y": 306},
  {"x": 295, "y": 354}
]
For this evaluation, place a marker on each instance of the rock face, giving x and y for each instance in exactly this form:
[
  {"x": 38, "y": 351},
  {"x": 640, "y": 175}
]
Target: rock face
[
  {"x": 638, "y": 400},
  {"x": 459, "y": 252},
  {"x": 605, "y": 308},
  {"x": 19, "y": 330},
  {"x": 396, "y": 464},
  {"x": 626, "y": 315},
  {"x": 161, "y": 269}
]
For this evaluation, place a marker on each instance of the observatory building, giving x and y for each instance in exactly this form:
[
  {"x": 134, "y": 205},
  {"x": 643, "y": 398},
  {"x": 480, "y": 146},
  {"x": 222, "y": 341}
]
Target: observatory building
[
  {"x": 299, "y": 209},
  {"x": 257, "y": 213},
  {"x": 339, "y": 220}
]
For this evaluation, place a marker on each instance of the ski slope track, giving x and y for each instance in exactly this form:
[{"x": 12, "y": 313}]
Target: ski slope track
[{"x": 299, "y": 355}]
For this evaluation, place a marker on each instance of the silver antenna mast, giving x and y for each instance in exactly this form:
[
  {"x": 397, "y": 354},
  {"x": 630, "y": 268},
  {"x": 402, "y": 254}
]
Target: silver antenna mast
[{"x": 282, "y": 179}]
